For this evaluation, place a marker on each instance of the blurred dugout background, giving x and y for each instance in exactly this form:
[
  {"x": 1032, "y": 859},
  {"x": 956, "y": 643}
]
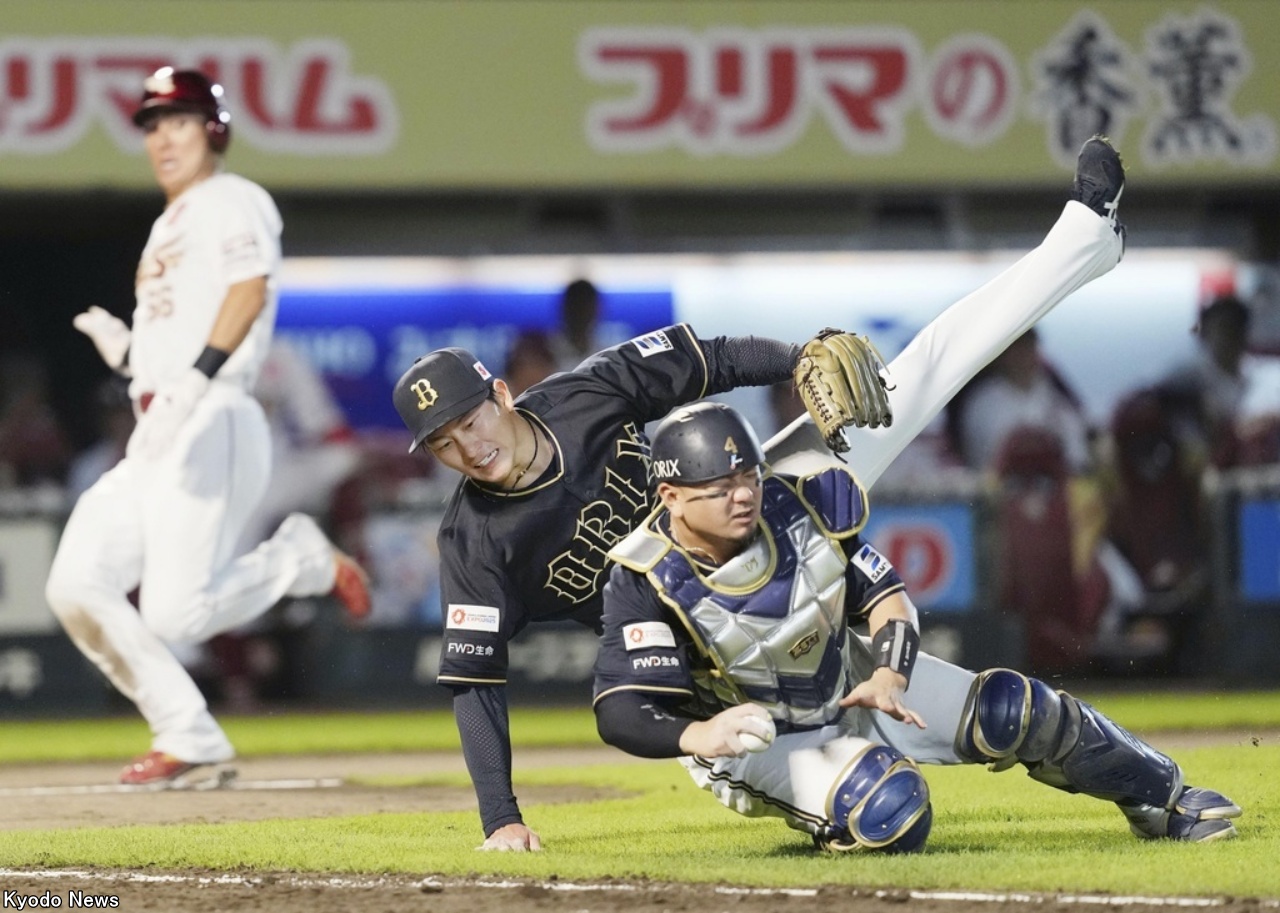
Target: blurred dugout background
[{"x": 1103, "y": 502}]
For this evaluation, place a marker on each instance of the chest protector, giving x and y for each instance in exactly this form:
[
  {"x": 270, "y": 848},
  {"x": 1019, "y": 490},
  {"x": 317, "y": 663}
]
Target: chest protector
[{"x": 770, "y": 624}]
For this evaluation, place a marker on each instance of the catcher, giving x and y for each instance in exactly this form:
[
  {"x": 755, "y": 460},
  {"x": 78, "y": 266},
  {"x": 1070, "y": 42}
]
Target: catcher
[
  {"x": 728, "y": 643},
  {"x": 555, "y": 479}
]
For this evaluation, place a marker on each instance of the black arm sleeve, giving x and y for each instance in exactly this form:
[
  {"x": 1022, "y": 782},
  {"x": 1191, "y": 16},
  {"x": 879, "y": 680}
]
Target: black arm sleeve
[
  {"x": 639, "y": 725},
  {"x": 485, "y": 730},
  {"x": 747, "y": 361}
]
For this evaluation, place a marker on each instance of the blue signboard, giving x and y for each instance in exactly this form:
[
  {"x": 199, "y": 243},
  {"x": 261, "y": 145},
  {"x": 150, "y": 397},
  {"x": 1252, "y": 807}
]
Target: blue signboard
[
  {"x": 933, "y": 547},
  {"x": 1259, "y": 570},
  {"x": 362, "y": 340}
]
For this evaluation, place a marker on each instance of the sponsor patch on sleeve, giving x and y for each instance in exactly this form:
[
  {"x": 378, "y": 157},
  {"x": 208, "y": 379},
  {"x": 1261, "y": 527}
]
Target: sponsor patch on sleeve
[
  {"x": 652, "y": 343},
  {"x": 648, "y": 634},
  {"x": 472, "y": 618},
  {"x": 871, "y": 563}
]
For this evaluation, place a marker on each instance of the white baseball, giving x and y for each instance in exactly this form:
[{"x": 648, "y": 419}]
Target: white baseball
[{"x": 755, "y": 743}]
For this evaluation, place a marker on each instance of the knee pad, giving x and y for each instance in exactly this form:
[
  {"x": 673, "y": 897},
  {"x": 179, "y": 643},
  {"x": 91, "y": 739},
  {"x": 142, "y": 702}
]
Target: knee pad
[
  {"x": 1009, "y": 717},
  {"x": 881, "y": 803},
  {"x": 1063, "y": 742}
]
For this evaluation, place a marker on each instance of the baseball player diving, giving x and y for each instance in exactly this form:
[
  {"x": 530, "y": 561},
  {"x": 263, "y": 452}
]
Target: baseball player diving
[
  {"x": 727, "y": 643},
  {"x": 167, "y": 518},
  {"x": 557, "y": 478}
]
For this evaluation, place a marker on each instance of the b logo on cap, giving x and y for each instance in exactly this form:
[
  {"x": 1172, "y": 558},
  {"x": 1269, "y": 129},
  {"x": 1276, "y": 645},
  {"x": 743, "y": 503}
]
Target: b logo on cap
[{"x": 427, "y": 394}]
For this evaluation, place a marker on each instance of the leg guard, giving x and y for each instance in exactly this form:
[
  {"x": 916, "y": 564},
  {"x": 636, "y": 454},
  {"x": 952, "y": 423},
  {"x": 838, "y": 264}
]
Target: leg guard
[
  {"x": 881, "y": 803},
  {"x": 1065, "y": 743}
]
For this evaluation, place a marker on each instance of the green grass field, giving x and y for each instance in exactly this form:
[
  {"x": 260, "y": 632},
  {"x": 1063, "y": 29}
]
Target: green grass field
[{"x": 991, "y": 831}]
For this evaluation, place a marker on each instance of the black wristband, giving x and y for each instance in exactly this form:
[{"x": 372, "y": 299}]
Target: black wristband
[
  {"x": 895, "y": 646},
  {"x": 211, "y": 361}
]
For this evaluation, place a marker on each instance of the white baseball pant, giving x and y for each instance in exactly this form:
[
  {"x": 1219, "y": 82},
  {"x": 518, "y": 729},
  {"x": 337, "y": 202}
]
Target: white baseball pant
[
  {"x": 170, "y": 527},
  {"x": 960, "y": 342},
  {"x": 794, "y": 778}
]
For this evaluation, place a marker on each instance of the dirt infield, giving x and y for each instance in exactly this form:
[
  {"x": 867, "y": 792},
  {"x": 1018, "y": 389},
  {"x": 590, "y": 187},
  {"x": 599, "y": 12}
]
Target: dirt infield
[
  {"x": 44, "y": 796},
  {"x": 195, "y": 892},
  {"x": 80, "y": 795},
  {"x": 317, "y": 893}
]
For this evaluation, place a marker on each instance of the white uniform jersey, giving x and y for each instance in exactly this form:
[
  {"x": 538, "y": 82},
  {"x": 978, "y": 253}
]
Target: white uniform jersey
[{"x": 220, "y": 231}]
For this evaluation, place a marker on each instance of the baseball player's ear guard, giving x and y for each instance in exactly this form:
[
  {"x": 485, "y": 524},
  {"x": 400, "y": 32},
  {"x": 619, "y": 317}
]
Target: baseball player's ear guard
[
  {"x": 882, "y": 803},
  {"x": 1063, "y": 742}
]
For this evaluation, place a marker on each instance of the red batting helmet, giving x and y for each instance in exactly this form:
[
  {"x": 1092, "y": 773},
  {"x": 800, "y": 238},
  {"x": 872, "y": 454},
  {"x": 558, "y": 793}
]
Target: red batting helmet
[{"x": 168, "y": 89}]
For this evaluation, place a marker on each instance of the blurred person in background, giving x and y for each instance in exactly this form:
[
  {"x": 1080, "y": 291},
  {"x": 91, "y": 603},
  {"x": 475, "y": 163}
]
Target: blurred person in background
[
  {"x": 33, "y": 445},
  {"x": 530, "y": 360},
  {"x": 1020, "y": 389},
  {"x": 167, "y": 518},
  {"x": 114, "y": 416},
  {"x": 1224, "y": 399},
  {"x": 1020, "y": 423},
  {"x": 1157, "y": 519},
  {"x": 576, "y": 337},
  {"x": 534, "y": 355}
]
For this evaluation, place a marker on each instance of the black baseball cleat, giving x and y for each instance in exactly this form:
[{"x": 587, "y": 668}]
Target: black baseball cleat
[
  {"x": 1100, "y": 179},
  {"x": 1198, "y": 815}
]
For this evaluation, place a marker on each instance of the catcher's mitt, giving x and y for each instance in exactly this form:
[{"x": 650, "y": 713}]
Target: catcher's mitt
[{"x": 838, "y": 377}]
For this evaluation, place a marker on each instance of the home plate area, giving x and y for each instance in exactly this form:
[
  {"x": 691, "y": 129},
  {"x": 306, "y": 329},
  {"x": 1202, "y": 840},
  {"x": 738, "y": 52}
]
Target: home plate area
[{"x": 47, "y": 796}]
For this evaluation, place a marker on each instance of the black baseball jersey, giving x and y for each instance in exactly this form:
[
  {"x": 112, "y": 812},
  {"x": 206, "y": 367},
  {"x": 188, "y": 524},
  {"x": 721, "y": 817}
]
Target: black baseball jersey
[
  {"x": 539, "y": 554},
  {"x": 647, "y": 646}
]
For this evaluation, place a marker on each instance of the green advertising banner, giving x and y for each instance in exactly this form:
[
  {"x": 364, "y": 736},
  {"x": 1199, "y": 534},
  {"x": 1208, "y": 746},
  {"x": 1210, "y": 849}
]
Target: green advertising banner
[{"x": 635, "y": 93}]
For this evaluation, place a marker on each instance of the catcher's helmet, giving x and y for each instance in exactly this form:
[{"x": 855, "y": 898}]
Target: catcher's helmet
[
  {"x": 168, "y": 89},
  {"x": 702, "y": 442}
]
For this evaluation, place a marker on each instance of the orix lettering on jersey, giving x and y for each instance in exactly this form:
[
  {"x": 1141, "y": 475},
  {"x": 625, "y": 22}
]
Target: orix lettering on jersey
[{"x": 575, "y": 573}]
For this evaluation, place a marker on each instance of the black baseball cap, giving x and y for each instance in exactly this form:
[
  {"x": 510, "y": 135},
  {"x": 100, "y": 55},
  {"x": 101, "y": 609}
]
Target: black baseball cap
[{"x": 438, "y": 388}]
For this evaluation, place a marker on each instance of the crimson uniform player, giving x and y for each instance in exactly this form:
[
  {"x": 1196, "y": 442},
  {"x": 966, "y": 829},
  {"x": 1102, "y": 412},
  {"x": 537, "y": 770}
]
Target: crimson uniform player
[
  {"x": 558, "y": 477},
  {"x": 166, "y": 520}
]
